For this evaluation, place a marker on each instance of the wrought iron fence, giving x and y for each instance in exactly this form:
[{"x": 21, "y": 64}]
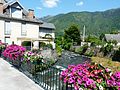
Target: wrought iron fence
[{"x": 44, "y": 75}]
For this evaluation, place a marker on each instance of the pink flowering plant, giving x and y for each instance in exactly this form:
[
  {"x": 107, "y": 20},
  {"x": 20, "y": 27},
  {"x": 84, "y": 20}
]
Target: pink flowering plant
[
  {"x": 114, "y": 80},
  {"x": 32, "y": 57},
  {"x": 90, "y": 76},
  {"x": 14, "y": 52}
]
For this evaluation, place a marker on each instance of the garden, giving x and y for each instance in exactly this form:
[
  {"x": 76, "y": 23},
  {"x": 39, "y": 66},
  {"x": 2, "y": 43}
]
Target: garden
[{"x": 86, "y": 76}]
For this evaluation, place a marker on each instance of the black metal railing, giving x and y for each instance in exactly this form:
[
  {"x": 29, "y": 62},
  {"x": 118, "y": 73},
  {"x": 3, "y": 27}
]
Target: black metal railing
[{"x": 48, "y": 77}]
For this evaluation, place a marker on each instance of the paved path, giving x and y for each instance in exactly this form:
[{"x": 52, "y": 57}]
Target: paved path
[{"x": 12, "y": 79}]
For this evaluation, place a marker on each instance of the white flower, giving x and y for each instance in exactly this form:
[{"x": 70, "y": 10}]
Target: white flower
[
  {"x": 80, "y": 88},
  {"x": 111, "y": 73},
  {"x": 28, "y": 58},
  {"x": 100, "y": 87}
]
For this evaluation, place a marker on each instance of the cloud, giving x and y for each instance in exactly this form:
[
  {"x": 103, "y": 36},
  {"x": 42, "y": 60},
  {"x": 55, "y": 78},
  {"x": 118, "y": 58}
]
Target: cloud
[
  {"x": 50, "y": 3},
  {"x": 80, "y": 3},
  {"x": 38, "y": 8}
]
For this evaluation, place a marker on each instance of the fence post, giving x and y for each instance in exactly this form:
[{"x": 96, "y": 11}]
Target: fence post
[{"x": 66, "y": 86}]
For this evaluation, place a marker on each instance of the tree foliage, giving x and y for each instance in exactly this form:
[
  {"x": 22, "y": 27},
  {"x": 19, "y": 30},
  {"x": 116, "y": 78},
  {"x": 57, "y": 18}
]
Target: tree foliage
[
  {"x": 94, "y": 40},
  {"x": 72, "y": 34}
]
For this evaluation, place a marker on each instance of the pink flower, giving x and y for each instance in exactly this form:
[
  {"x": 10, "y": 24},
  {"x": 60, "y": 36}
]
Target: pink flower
[
  {"x": 107, "y": 70},
  {"x": 76, "y": 87},
  {"x": 71, "y": 80},
  {"x": 65, "y": 80},
  {"x": 79, "y": 81},
  {"x": 119, "y": 88},
  {"x": 117, "y": 75}
]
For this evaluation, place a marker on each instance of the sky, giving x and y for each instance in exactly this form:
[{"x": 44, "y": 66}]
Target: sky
[{"x": 53, "y": 7}]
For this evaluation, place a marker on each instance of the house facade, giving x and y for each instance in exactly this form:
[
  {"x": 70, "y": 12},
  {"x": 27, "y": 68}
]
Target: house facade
[{"x": 18, "y": 25}]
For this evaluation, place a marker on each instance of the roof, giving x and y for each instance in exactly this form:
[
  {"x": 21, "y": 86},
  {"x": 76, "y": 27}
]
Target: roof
[
  {"x": 10, "y": 3},
  {"x": 47, "y": 25},
  {"x": 7, "y": 17},
  {"x": 3, "y": 1},
  {"x": 113, "y": 37}
]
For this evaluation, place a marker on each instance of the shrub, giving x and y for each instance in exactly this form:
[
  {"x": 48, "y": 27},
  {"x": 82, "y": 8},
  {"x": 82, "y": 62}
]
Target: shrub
[
  {"x": 89, "y": 53},
  {"x": 107, "y": 49},
  {"x": 49, "y": 46},
  {"x": 26, "y": 43},
  {"x": 82, "y": 49},
  {"x": 79, "y": 50},
  {"x": 14, "y": 51},
  {"x": 32, "y": 57},
  {"x": 59, "y": 50},
  {"x": 67, "y": 46},
  {"x": 42, "y": 44}
]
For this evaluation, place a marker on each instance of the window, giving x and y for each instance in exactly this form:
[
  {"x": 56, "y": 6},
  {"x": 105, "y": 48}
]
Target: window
[
  {"x": 23, "y": 29},
  {"x": 17, "y": 13},
  {"x": 7, "y": 28},
  {"x": 8, "y": 40},
  {"x": 45, "y": 30}
]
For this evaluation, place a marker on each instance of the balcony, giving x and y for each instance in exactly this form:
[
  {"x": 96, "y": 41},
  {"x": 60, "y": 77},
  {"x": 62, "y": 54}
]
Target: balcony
[{"x": 47, "y": 35}]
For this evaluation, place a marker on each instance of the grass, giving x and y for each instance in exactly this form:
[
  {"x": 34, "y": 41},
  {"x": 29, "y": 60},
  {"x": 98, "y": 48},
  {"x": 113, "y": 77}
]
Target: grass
[{"x": 114, "y": 65}]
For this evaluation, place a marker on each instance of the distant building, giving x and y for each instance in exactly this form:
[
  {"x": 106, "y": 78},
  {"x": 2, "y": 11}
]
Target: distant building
[
  {"x": 113, "y": 37},
  {"x": 18, "y": 25}
]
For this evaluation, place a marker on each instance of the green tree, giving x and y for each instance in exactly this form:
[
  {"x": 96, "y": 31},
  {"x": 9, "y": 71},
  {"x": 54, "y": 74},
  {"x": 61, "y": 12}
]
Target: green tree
[
  {"x": 72, "y": 34},
  {"x": 94, "y": 39}
]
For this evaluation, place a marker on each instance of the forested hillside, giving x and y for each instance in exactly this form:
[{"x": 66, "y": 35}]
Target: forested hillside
[{"x": 95, "y": 22}]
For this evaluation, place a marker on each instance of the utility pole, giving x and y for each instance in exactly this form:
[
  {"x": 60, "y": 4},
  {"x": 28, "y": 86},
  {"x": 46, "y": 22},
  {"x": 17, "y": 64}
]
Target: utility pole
[{"x": 84, "y": 33}]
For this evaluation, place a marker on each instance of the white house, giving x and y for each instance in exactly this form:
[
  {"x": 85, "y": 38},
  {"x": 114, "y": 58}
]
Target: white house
[{"x": 18, "y": 25}]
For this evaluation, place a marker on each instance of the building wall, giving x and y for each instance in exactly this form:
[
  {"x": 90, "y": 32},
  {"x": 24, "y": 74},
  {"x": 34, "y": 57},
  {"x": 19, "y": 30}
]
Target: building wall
[
  {"x": 32, "y": 30},
  {"x": 2, "y": 30},
  {"x": 15, "y": 31}
]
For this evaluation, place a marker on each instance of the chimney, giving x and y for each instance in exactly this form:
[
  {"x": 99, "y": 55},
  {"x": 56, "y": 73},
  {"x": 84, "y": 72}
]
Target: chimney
[
  {"x": 1, "y": 7},
  {"x": 31, "y": 14}
]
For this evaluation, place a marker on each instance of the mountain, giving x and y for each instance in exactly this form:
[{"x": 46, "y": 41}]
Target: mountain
[{"x": 95, "y": 22}]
